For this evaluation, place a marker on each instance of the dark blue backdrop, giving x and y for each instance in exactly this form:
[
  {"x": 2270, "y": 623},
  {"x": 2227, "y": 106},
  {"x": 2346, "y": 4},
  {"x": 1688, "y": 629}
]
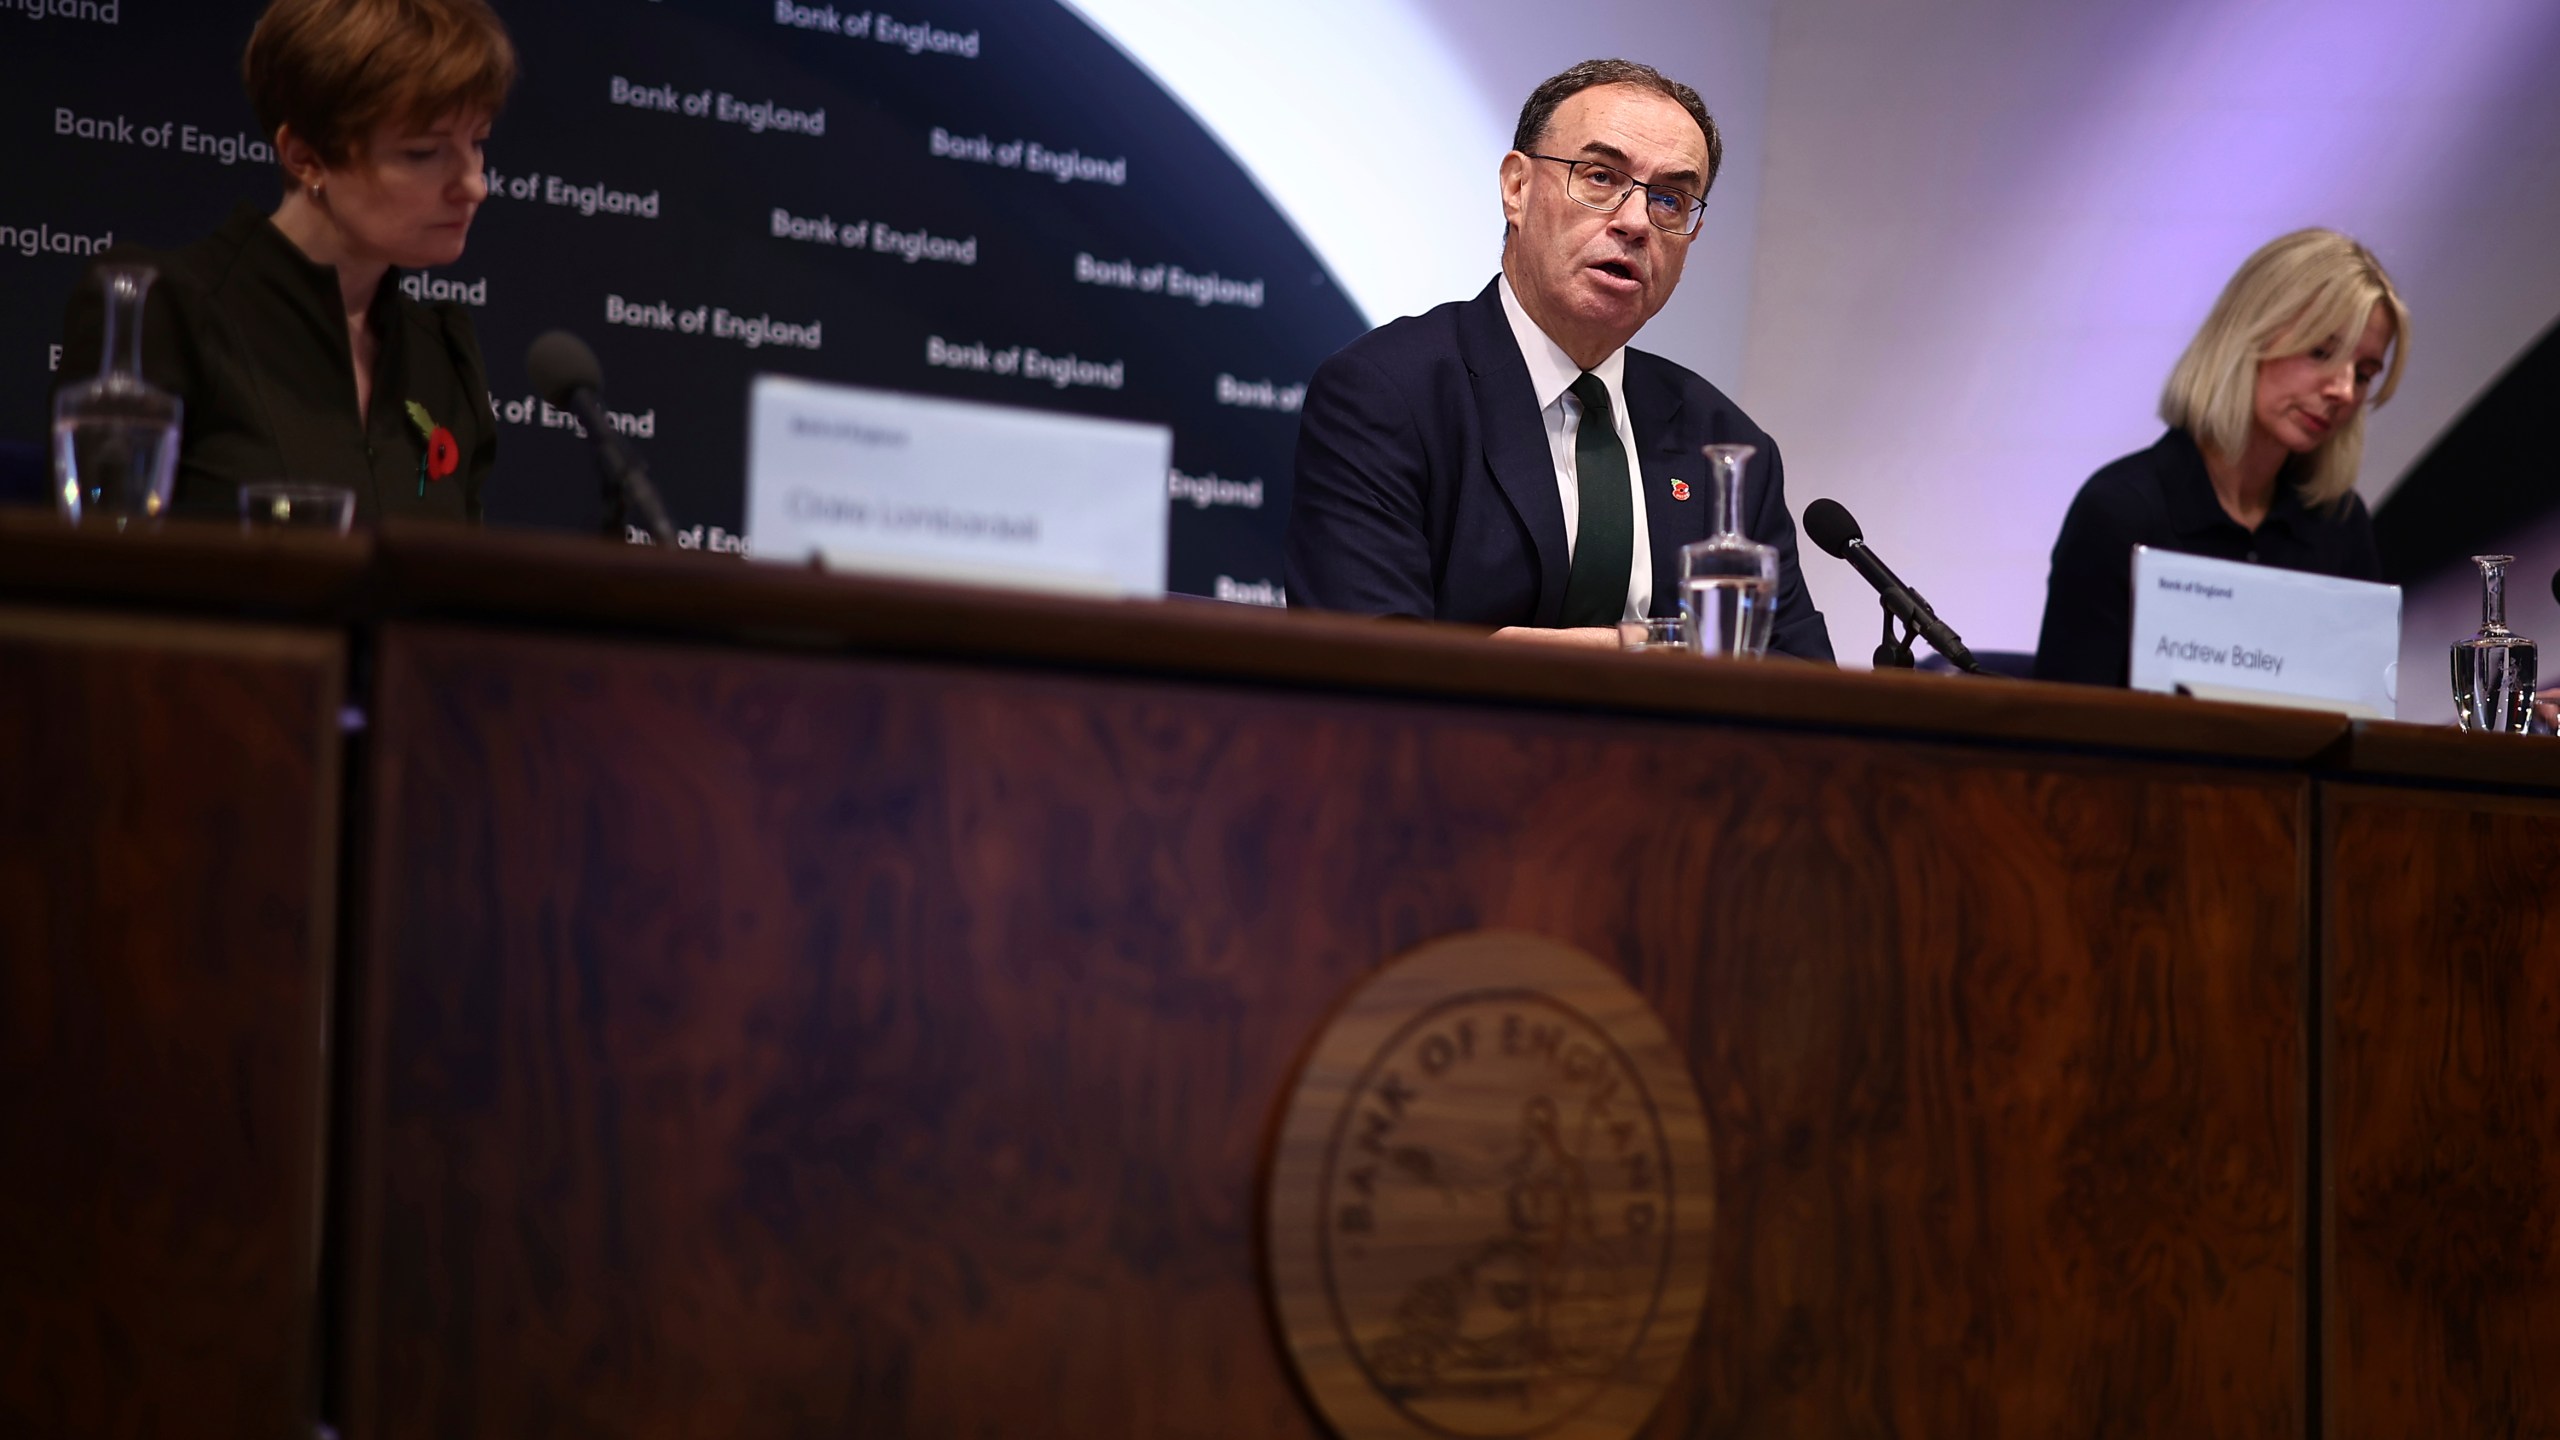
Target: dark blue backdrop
[{"x": 1070, "y": 208}]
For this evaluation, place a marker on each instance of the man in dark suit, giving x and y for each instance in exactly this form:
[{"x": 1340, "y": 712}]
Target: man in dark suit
[{"x": 1472, "y": 464}]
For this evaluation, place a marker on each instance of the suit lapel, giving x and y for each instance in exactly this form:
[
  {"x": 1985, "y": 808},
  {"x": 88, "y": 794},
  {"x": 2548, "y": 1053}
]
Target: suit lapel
[
  {"x": 1515, "y": 440},
  {"x": 1666, "y": 462}
]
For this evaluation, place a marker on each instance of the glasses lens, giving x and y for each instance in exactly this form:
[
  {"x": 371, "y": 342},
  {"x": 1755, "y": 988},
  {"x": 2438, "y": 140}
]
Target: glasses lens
[
  {"x": 1670, "y": 210},
  {"x": 1598, "y": 186}
]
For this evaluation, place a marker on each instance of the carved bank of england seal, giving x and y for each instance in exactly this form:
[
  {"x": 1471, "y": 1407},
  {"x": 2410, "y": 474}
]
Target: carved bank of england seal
[{"x": 1490, "y": 1200}]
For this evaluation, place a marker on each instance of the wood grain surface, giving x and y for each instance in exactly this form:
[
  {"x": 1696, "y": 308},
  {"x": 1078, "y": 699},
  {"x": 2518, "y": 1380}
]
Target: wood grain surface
[
  {"x": 198, "y": 568},
  {"x": 168, "y": 825},
  {"x": 771, "y": 1046},
  {"x": 2440, "y": 753},
  {"x": 435, "y": 571},
  {"x": 428, "y": 571},
  {"x": 2443, "y": 941},
  {"x": 1490, "y": 1205}
]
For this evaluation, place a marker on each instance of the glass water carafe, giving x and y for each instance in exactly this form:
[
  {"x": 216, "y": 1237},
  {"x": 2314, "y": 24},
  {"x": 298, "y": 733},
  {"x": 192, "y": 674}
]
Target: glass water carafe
[
  {"x": 115, "y": 438},
  {"x": 2493, "y": 671},
  {"x": 1728, "y": 583}
]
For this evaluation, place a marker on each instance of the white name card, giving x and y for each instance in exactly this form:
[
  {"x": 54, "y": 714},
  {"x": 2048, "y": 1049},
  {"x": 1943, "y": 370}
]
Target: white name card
[
  {"x": 955, "y": 490},
  {"x": 2225, "y": 630}
]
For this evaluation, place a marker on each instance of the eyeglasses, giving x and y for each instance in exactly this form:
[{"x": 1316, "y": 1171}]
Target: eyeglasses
[{"x": 1605, "y": 187}]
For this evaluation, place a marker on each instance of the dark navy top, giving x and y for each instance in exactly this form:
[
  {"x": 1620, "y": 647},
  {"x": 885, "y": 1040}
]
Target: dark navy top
[{"x": 2163, "y": 498}]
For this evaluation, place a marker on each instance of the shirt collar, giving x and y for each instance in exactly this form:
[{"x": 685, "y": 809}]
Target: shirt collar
[{"x": 1551, "y": 371}]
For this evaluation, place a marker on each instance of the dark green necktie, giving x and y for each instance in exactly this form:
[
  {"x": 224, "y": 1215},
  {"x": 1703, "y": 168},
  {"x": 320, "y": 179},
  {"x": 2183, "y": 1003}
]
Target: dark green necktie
[{"x": 1595, "y": 593}]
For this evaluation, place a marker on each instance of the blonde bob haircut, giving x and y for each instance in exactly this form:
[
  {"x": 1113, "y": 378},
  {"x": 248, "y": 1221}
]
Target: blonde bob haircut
[
  {"x": 2299, "y": 292},
  {"x": 336, "y": 70}
]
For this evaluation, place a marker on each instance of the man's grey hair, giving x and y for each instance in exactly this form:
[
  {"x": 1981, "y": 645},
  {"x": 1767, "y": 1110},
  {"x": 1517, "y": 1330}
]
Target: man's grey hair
[{"x": 1540, "y": 111}]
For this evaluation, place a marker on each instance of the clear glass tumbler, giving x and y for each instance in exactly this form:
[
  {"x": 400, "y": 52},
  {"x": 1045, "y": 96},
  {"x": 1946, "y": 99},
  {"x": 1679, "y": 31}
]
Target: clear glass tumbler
[
  {"x": 312, "y": 509},
  {"x": 2493, "y": 671},
  {"x": 115, "y": 438},
  {"x": 1654, "y": 633},
  {"x": 1728, "y": 583}
]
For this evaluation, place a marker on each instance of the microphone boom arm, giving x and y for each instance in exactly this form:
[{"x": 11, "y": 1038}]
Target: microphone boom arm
[
  {"x": 565, "y": 373},
  {"x": 626, "y": 477},
  {"x": 1907, "y": 603},
  {"x": 1829, "y": 525}
]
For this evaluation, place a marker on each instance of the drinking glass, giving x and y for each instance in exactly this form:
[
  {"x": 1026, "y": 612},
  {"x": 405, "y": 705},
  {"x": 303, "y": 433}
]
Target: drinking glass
[
  {"x": 1728, "y": 583},
  {"x": 2493, "y": 671},
  {"x": 1655, "y": 633},
  {"x": 115, "y": 438},
  {"x": 311, "y": 509}
]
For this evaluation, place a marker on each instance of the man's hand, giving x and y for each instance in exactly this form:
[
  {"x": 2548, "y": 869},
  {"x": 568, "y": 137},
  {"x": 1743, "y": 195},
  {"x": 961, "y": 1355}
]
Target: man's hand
[{"x": 1589, "y": 637}]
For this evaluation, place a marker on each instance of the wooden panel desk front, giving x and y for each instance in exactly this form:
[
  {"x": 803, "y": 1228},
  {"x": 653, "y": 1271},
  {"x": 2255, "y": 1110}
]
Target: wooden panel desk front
[
  {"x": 168, "y": 881},
  {"x": 790, "y": 1004},
  {"x": 881, "y": 1039},
  {"x": 2440, "y": 886}
]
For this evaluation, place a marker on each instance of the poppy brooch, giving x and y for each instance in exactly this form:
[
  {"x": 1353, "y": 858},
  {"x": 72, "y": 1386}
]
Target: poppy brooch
[
  {"x": 1679, "y": 489},
  {"x": 443, "y": 456}
]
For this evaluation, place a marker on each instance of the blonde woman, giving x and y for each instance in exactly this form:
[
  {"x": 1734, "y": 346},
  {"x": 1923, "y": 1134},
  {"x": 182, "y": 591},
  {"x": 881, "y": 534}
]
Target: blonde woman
[{"x": 2266, "y": 429}]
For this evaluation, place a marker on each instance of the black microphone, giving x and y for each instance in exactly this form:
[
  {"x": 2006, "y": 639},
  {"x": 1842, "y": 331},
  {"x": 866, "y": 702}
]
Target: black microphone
[
  {"x": 564, "y": 371},
  {"x": 1832, "y": 528},
  {"x": 2555, "y": 584}
]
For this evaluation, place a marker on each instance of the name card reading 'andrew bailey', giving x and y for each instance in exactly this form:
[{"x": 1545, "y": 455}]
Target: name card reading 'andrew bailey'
[
  {"x": 956, "y": 490},
  {"x": 2225, "y": 630}
]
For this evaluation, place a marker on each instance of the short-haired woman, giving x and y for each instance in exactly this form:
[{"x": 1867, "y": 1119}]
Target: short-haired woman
[
  {"x": 2266, "y": 429},
  {"x": 286, "y": 334}
]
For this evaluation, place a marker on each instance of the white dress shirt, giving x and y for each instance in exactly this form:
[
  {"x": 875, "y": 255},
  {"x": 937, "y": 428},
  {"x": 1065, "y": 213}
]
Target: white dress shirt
[{"x": 1551, "y": 376}]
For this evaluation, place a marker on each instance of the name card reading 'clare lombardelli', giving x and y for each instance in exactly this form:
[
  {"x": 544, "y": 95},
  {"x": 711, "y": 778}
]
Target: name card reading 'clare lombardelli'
[
  {"x": 956, "y": 490},
  {"x": 2228, "y": 631}
]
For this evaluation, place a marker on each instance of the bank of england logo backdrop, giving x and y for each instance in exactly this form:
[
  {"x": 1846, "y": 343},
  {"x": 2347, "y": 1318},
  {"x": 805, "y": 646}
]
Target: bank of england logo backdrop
[{"x": 975, "y": 198}]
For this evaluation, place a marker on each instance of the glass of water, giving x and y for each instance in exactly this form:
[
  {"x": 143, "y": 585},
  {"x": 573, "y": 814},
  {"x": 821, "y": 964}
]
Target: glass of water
[
  {"x": 115, "y": 438},
  {"x": 2493, "y": 671},
  {"x": 1656, "y": 634},
  {"x": 1728, "y": 582},
  {"x": 312, "y": 509}
]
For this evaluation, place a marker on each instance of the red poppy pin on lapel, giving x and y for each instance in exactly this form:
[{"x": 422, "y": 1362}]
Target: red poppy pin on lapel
[
  {"x": 443, "y": 456},
  {"x": 1679, "y": 489}
]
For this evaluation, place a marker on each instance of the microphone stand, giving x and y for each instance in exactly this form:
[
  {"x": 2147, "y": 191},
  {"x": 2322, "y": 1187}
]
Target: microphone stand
[
  {"x": 616, "y": 522},
  {"x": 1894, "y": 651},
  {"x": 626, "y": 479}
]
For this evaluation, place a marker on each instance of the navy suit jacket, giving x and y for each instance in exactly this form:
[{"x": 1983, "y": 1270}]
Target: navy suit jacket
[{"x": 1425, "y": 487}]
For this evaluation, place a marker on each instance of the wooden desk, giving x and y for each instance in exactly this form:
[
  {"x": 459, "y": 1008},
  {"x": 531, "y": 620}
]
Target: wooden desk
[
  {"x": 169, "y": 796},
  {"x": 2440, "y": 886},
  {"x": 788, "y": 1003}
]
